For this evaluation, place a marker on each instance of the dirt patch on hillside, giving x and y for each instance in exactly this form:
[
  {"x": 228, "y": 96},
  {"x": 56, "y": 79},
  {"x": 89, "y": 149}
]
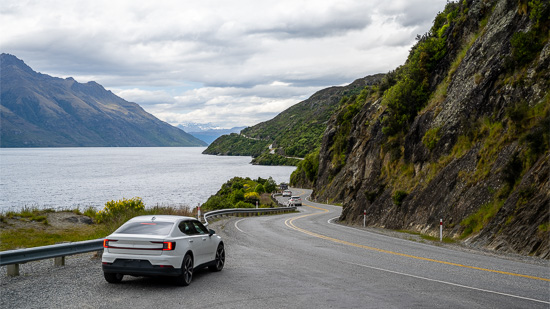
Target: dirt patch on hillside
[{"x": 54, "y": 220}]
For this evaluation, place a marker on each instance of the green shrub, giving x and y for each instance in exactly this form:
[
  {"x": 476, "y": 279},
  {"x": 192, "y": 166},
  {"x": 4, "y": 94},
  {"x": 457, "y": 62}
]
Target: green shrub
[
  {"x": 525, "y": 46},
  {"x": 259, "y": 189},
  {"x": 270, "y": 185},
  {"x": 398, "y": 197},
  {"x": 539, "y": 10},
  {"x": 431, "y": 138},
  {"x": 441, "y": 31},
  {"x": 114, "y": 208},
  {"x": 252, "y": 197},
  {"x": 237, "y": 185},
  {"x": 237, "y": 196},
  {"x": 215, "y": 202},
  {"x": 90, "y": 212},
  {"x": 243, "y": 204}
]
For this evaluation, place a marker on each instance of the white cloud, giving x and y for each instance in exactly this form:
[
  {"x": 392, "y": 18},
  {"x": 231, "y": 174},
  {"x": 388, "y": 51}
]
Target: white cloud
[
  {"x": 244, "y": 56},
  {"x": 146, "y": 97}
]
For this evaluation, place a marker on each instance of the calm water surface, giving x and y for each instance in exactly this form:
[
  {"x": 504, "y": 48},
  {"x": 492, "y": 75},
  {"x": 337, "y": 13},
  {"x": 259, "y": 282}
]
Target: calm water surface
[{"x": 71, "y": 177}]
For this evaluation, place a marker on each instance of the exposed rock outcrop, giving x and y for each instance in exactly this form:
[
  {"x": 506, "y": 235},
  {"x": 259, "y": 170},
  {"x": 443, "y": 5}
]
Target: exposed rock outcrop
[{"x": 471, "y": 155}]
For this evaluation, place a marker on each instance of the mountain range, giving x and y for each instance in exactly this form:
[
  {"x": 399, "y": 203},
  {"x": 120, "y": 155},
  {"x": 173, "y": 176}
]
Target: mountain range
[
  {"x": 207, "y": 132},
  {"x": 38, "y": 110}
]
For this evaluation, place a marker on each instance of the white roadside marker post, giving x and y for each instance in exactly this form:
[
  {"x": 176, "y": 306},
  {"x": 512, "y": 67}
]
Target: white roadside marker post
[
  {"x": 440, "y": 229},
  {"x": 364, "y": 218},
  {"x": 199, "y": 212}
]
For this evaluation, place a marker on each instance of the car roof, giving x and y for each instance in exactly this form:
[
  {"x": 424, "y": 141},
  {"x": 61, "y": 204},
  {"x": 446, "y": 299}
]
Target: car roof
[
  {"x": 163, "y": 218},
  {"x": 294, "y": 197}
]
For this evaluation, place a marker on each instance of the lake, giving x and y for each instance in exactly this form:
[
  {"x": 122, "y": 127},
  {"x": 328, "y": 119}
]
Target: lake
[{"x": 63, "y": 178}]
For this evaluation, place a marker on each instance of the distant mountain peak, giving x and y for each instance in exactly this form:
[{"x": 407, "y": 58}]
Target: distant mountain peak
[
  {"x": 38, "y": 110},
  {"x": 9, "y": 60}
]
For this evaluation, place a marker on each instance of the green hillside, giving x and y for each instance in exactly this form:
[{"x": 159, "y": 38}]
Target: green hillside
[{"x": 292, "y": 134}]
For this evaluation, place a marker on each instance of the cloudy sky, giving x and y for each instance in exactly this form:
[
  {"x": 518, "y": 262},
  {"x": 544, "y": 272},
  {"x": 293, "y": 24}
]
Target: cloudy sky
[{"x": 229, "y": 63}]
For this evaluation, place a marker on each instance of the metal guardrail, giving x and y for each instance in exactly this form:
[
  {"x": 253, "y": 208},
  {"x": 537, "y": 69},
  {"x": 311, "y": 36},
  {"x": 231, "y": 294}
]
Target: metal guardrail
[
  {"x": 12, "y": 258},
  {"x": 248, "y": 211},
  {"x": 45, "y": 252}
]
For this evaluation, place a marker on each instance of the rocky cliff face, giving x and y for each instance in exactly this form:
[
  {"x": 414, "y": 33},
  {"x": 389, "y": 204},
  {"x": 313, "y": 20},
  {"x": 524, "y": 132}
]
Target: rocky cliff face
[{"x": 475, "y": 154}]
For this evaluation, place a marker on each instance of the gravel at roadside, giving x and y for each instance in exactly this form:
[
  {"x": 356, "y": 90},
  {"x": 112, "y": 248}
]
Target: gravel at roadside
[{"x": 39, "y": 280}]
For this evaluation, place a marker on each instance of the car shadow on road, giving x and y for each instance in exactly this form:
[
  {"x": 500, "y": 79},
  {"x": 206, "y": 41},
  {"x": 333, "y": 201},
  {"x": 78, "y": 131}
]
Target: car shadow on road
[{"x": 161, "y": 282}]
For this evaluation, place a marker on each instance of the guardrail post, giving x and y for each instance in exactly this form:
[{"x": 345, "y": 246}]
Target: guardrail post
[
  {"x": 59, "y": 261},
  {"x": 13, "y": 270}
]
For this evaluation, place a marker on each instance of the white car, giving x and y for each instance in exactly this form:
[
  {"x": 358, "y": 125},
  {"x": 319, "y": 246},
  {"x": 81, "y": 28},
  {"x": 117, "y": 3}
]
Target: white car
[
  {"x": 287, "y": 193},
  {"x": 294, "y": 201},
  {"x": 158, "y": 245}
]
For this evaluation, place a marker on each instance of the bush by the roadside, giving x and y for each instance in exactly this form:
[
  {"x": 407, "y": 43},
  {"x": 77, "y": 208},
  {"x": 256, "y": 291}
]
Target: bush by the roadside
[
  {"x": 242, "y": 193},
  {"x": 121, "y": 207}
]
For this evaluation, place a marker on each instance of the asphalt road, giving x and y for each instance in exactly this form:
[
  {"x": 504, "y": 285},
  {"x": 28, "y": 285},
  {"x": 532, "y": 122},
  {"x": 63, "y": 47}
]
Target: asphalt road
[{"x": 299, "y": 260}]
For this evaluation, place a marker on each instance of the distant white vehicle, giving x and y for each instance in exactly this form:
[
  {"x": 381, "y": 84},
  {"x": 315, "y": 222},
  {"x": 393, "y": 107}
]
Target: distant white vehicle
[
  {"x": 287, "y": 193},
  {"x": 294, "y": 201},
  {"x": 157, "y": 245}
]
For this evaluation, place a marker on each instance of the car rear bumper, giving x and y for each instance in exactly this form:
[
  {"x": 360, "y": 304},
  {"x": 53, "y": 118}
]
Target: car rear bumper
[{"x": 139, "y": 268}]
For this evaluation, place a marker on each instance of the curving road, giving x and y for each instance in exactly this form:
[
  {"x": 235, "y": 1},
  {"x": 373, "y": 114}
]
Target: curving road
[{"x": 300, "y": 260}]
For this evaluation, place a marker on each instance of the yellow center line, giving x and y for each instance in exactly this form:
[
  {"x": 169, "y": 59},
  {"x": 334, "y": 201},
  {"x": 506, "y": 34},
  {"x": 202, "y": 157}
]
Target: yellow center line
[{"x": 290, "y": 224}]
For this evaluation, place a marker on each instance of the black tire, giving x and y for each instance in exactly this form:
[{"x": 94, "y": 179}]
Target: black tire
[
  {"x": 112, "y": 277},
  {"x": 219, "y": 259},
  {"x": 186, "y": 271}
]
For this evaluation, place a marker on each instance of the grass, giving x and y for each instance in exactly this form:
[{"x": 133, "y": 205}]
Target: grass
[
  {"x": 28, "y": 214},
  {"x": 476, "y": 221},
  {"x": 29, "y": 237}
]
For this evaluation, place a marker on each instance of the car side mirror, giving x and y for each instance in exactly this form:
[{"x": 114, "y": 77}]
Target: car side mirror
[{"x": 211, "y": 232}]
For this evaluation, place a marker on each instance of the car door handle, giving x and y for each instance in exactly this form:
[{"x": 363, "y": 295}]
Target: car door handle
[{"x": 191, "y": 240}]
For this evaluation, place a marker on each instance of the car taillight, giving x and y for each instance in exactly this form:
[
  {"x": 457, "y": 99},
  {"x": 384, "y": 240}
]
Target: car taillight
[
  {"x": 106, "y": 242},
  {"x": 166, "y": 245}
]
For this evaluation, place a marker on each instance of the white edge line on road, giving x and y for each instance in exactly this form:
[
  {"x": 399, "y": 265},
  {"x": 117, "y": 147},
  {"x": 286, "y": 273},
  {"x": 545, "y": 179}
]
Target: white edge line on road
[
  {"x": 237, "y": 227},
  {"x": 449, "y": 283}
]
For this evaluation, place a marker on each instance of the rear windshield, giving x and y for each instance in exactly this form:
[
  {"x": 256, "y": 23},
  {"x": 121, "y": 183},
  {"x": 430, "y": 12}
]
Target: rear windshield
[{"x": 148, "y": 228}]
